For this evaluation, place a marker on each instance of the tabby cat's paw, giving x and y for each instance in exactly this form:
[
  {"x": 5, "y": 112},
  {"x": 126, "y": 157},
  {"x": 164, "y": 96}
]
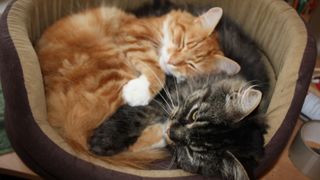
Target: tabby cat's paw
[{"x": 136, "y": 92}]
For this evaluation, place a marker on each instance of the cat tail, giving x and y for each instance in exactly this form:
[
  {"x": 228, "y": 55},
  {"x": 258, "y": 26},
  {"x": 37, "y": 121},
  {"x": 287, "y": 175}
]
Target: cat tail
[
  {"x": 144, "y": 151},
  {"x": 136, "y": 160},
  {"x": 76, "y": 135},
  {"x": 131, "y": 159}
]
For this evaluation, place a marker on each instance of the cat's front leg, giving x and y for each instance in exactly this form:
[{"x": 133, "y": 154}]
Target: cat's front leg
[
  {"x": 119, "y": 131},
  {"x": 140, "y": 91}
]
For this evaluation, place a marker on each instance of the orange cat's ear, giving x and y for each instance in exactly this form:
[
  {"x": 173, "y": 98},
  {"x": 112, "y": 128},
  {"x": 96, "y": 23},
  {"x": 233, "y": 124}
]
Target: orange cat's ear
[
  {"x": 210, "y": 19},
  {"x": 227, "y": 65}
]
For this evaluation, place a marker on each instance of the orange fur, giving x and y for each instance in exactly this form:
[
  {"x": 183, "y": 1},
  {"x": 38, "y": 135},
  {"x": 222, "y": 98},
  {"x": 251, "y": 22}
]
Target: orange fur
[
  {"x": 88, "y": 57},
  {"x": 150, "y": 137}
]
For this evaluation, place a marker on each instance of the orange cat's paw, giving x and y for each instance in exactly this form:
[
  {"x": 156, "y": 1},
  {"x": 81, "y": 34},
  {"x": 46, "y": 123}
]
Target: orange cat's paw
[{"x": 136, "y": 92}]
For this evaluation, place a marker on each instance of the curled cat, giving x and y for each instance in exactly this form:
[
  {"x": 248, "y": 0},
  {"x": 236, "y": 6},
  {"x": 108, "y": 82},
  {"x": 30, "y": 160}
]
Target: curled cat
[
  {"x": 213, "y": 129},
  {"x": 99, "y": 59}
]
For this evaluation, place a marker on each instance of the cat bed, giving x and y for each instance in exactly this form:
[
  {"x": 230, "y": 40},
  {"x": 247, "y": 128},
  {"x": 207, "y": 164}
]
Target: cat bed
[{"x": 282, "y": 36}]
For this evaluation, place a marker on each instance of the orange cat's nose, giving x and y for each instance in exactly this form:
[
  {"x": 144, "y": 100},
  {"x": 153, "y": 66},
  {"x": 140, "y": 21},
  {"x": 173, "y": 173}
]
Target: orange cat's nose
[
  {"x": 171, "y": 62},
  {"x": 174, "y": 61}
]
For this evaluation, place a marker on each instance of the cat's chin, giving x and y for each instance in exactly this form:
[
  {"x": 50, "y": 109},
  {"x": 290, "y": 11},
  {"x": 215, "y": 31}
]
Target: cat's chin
[
  {"x": 164, "y": 66},
  {"x": 170, "y": 70},
  {"x": 177, "y": 75}
]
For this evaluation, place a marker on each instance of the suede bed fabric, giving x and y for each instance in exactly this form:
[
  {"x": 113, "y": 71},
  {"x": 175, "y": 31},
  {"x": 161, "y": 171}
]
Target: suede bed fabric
[{"x": 274, "y": 25}]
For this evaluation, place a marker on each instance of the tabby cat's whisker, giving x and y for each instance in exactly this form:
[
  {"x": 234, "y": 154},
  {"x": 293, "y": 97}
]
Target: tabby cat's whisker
[
  {"x": 208, "y": 78},
  {"x": 164, "y": 99},
  {"x": 190, "y": 86},
  {"x": 169, "y": 96},
  {"x": 161, "y": 105},
  {"x": 172, "y": 159},
  {"x": 240, "y": 94},
  {"x": 166, "y": 102},
  {"x": 160, "y": 84}
]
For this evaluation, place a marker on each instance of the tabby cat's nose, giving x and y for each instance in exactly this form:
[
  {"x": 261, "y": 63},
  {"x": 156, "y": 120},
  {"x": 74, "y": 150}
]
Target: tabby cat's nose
[{"x": 174, "y": 135}]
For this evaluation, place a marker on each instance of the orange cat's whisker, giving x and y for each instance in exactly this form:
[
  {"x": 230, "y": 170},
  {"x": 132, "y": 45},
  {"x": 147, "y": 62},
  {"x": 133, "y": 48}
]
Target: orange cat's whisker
[
  {"x": 164, "y": 88},
  {"x": 177, "y": 91}
]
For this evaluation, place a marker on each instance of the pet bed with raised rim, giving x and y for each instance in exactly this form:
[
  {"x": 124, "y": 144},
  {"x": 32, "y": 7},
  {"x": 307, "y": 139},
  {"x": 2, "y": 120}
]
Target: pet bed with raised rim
[{"x": 272, "y": 24}]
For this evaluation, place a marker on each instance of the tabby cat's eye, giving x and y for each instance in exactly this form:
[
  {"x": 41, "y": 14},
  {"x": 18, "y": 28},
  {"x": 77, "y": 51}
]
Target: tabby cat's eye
[
  {"x": 233, "y": 96},
  {"x": 194, "y": 115}
]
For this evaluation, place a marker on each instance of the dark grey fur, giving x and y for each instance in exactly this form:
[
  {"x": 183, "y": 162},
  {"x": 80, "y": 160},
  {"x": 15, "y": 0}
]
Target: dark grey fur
[{"x": 219, "y": 134}]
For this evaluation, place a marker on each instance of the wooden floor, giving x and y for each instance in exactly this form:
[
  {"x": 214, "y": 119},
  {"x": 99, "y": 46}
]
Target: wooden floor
[{"x": 284, "y": 168}]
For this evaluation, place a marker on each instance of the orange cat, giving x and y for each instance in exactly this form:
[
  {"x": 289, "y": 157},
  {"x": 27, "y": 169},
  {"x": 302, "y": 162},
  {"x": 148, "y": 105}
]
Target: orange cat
[{"x": 99, "y": 59}]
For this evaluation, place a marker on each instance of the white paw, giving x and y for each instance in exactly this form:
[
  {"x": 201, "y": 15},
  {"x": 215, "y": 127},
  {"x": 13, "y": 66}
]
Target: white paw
[{"x": 136, "y": 92}]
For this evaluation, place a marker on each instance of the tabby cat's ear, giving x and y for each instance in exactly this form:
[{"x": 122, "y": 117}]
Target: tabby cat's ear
[
  {"x": 210, "y": 19},
  {"x": 227, "y": 65},
  {"x": 250, "y": 101},
  {"x": 235, "y": 169}
]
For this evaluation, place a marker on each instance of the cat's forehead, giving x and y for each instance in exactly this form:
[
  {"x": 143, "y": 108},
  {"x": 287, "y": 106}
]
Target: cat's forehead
[
  {"x": 181, "y": 15},
  {"x": 195, "y": 34},
  {"x": 196, "y": 96},
  {"x": 216, "y": 92},
  {"x": 231, "y": 84},
  {"x": 186, "y": 23}
]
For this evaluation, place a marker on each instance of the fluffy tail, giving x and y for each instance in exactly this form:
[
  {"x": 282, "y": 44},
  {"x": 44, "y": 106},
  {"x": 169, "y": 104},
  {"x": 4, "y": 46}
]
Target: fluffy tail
[{"x": 138, "y": 159}]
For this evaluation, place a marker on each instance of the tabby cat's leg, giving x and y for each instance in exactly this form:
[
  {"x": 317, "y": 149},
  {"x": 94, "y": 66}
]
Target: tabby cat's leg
[{"x": 140, "y": 91}]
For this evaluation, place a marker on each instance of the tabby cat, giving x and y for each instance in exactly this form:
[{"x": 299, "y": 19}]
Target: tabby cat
[
  {"x": 212, "y": 126},
  {"x": 99, "y": 59}
]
